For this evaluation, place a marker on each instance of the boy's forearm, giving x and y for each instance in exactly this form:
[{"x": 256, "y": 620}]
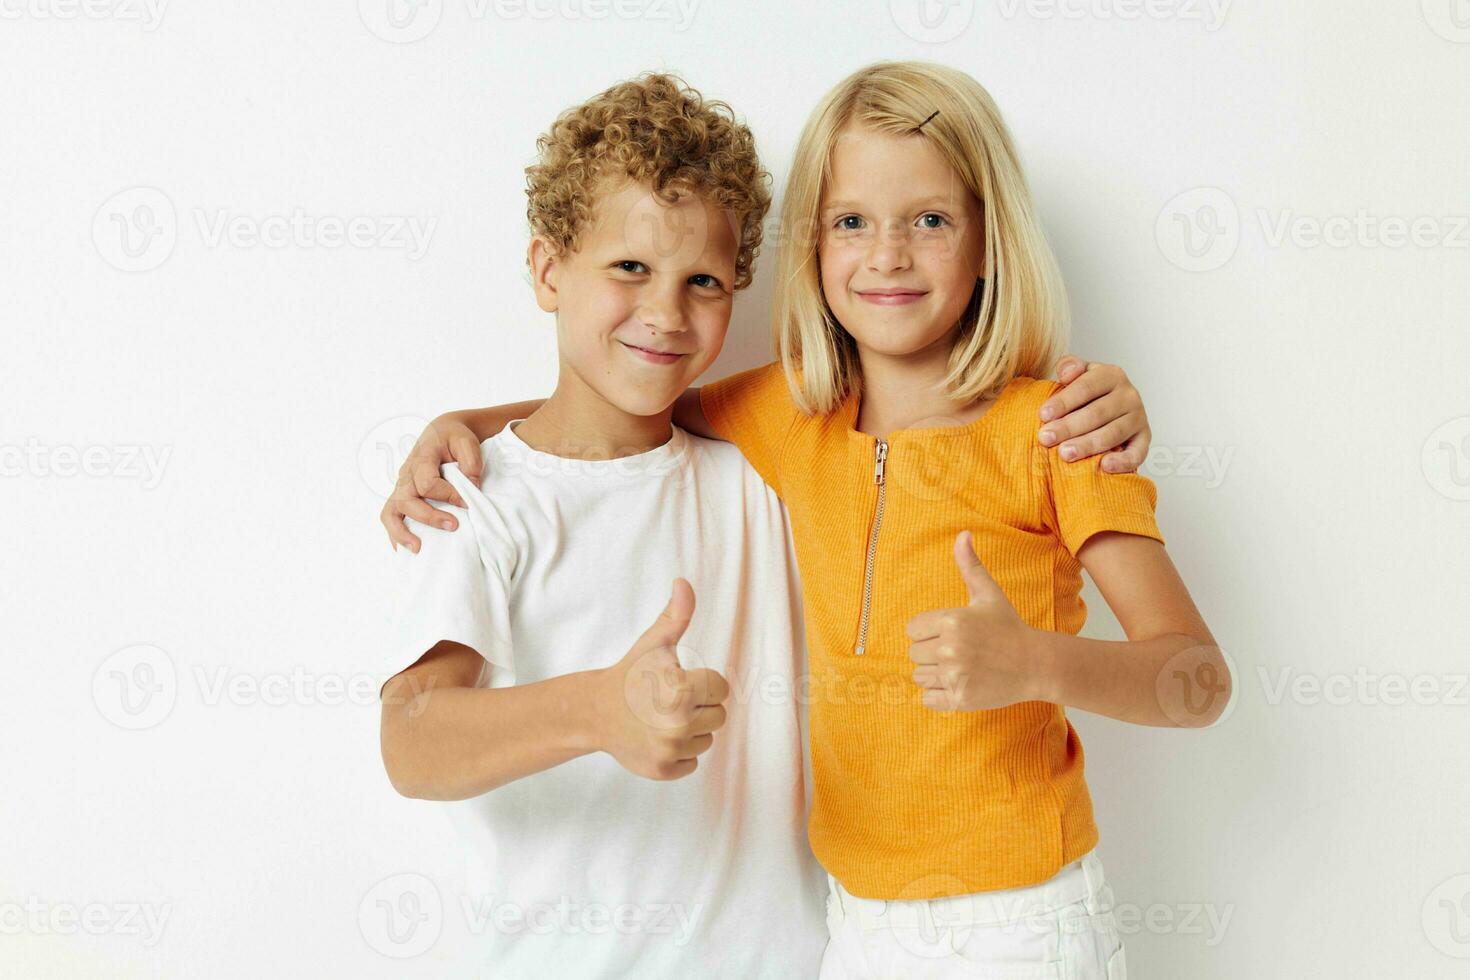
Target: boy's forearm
[
  {"x": 486, "y": 422},
  {"x": 1173, "y": 681},
  {"x": 454, "y": 743}
]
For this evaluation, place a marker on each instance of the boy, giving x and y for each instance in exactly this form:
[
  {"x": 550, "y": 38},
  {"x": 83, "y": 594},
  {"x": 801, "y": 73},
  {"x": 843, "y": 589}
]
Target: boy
[{"x": 627, "y": 815}]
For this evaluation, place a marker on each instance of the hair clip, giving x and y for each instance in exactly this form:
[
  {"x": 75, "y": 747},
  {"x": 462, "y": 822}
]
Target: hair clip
[{"x": 922, "y": 124}]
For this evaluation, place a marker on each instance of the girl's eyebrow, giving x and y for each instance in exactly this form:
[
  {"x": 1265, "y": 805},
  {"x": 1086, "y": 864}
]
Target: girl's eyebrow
[{"x": 944, "y": 200}]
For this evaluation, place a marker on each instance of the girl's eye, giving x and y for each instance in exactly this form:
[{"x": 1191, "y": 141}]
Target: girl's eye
[
  {"x": 631, "y": 265},
  {"x": 704, "y": 279},
  {"x": 932, "y": 220},
  {"x": 849, "y": 222}
]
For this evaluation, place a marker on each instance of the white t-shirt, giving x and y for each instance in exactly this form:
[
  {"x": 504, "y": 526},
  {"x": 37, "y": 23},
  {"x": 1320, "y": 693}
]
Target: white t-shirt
[{"x": 586, "y": 870}]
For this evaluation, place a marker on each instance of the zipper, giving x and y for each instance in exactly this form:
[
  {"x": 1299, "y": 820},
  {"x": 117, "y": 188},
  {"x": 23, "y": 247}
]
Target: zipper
[{"x": 882, "y": 454}]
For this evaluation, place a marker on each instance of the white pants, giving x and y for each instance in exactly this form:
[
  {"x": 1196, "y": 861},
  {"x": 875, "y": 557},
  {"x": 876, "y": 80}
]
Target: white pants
[{"x": 1060, "y": 929}]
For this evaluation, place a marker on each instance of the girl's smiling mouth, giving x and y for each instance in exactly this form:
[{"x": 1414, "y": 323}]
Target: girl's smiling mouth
[{"x": 892, "y": 297}]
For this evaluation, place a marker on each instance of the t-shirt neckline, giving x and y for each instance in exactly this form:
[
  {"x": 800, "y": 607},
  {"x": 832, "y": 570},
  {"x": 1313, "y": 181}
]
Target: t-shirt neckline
[
  {"x": 657, "y": 461},
  {"x": 852, "y": 405}
]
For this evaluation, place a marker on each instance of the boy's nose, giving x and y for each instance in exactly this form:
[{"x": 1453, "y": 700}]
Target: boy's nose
[{"x": 662, "y": 315}]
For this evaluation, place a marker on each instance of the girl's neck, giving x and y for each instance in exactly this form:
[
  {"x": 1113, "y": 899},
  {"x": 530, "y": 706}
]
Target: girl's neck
[{"x": 908, "y": 393}]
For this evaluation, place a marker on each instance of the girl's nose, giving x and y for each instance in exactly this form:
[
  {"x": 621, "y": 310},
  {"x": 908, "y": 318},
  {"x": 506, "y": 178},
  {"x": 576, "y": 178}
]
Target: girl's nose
[{"x": 890, "y": 250}]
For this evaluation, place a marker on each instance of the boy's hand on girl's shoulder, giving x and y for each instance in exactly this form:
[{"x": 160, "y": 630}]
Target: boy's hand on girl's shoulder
[
  {"x": 1099, "y": 411},
  {"x": 978, "y": 656},
  {"x": 447, "y": 439},
  {"x": 652, "y": 715}
]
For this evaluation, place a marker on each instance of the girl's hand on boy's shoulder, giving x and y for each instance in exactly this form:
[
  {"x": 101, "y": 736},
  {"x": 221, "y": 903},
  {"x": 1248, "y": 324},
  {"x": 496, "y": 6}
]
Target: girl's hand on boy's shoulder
[
  {"x": 1098, "y": 411},
  {"x": 447, "y": 439},
  {"x": 978, "y": 656}
]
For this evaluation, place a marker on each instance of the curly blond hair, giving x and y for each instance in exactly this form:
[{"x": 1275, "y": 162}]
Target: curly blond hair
[{"x": 652, "y": 128}]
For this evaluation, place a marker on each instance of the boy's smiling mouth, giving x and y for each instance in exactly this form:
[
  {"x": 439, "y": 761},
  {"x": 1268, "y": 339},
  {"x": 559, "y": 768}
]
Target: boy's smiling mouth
[{"x": 652, "y": 355}]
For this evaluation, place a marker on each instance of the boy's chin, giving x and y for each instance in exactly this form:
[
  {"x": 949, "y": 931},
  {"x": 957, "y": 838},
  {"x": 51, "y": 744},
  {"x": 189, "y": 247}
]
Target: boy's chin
[{"x": 644, "y": 404}]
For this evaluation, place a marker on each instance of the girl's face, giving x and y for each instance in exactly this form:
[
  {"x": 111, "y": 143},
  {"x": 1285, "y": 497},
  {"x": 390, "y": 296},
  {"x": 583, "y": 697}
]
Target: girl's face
[{"x": 901, "y": 245}]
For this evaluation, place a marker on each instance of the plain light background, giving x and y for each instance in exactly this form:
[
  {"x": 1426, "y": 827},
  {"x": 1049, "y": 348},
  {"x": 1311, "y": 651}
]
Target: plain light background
[{"x": 1261, "y": 211}]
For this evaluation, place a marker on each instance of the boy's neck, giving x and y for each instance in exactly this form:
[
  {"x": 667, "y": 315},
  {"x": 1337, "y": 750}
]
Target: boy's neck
[{"x": 578, "y": 423}]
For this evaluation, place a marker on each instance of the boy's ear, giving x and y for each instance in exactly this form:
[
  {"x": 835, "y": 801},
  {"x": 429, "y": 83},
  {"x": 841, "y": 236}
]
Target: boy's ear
[{"x": 545, "y": 271}]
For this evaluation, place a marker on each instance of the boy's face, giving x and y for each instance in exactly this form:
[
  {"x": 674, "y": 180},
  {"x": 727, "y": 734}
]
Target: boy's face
[
  {"x": 901, "y": 245},
  {"x": 643, "y": 303}
]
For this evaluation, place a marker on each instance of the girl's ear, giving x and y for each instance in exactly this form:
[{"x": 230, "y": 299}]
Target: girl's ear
[{"x": 545, "y": 271}]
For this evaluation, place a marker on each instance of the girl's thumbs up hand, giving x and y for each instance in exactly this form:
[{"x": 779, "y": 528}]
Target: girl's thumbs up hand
[
  {"x": 653, "y": 716},
  {"x": 977, "y": 656}
]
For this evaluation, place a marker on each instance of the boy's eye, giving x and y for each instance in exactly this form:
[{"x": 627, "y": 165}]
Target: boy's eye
[
  {"x": 849, "y": 222},
  {"x": 630, "y": 265},
  {"x": 704, "y": 279},
  {"x": 932, "y": 220}
]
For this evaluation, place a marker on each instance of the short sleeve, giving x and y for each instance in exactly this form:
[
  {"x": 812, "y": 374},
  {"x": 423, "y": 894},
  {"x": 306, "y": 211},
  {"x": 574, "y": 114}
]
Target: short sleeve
[
  {"x": 456, "y": 588},
  {"x": 1086, "y": 501},
  {"x": 753, "y": 410}
]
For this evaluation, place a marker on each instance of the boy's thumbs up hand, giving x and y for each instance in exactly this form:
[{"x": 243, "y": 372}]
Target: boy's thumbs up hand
[
  {"x": 654, "y": 716},
  {"x": 977, "y": 656}
]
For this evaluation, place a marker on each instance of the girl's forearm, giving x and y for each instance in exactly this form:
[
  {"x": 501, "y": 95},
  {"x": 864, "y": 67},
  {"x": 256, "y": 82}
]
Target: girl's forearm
[
  {"x": 453, "y": 743},
  {"x": 1174, "y": 680},
  {"x": 486, "y": 422}
]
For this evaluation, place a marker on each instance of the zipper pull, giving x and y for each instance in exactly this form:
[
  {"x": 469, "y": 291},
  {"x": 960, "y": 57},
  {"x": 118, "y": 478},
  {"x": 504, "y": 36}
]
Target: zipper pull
[{"x": 878, "y": 468}]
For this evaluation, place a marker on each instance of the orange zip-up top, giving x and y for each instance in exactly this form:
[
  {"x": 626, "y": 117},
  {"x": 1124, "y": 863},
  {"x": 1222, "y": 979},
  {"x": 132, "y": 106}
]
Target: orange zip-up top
[{"x": 910, "y": 802}]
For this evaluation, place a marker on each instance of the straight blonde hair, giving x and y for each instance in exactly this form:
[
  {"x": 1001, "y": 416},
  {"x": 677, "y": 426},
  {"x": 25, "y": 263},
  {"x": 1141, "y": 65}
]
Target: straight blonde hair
[{"x": 1016, "y": 323}]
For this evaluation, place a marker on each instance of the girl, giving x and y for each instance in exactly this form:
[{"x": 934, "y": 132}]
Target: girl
[{"x": 940, "y": 548}]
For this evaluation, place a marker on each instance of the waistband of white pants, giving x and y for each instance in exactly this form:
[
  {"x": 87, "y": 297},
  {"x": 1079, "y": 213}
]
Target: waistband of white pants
[{"x": 1079, "y": 882}]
